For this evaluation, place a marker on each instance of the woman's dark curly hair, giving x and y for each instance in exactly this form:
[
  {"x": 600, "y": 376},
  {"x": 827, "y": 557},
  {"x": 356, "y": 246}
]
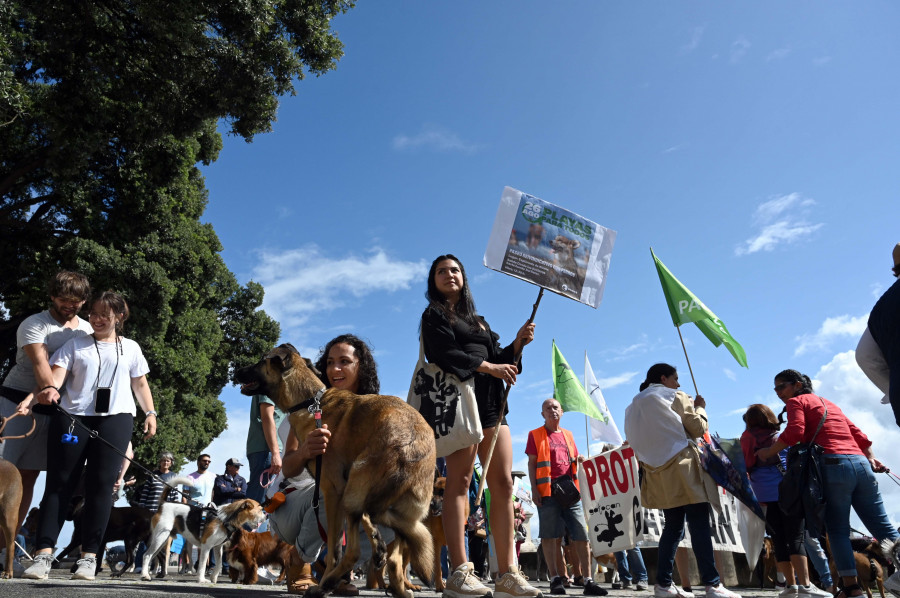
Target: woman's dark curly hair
[
  {"x": 793, "y": 376},
  {"x": 368, "y": 369},
  {"x": 465, "y": 307}
]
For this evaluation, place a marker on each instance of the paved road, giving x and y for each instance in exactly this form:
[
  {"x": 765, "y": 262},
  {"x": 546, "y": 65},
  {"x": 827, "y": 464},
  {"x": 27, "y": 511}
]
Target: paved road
[{"x": 183, "y": 586}]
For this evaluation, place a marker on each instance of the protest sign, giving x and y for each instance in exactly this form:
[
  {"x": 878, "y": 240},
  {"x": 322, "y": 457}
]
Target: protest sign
[
  {"x": 611, "y": 498},
  {"x": 723, "y": 526},
  {"x": 549, "y": 246}
]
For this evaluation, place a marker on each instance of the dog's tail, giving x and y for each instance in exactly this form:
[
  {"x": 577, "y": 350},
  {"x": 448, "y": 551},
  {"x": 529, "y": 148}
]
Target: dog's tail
[
  {"x": 173, "y": 483},
  {"x": 421, "y": 551}
]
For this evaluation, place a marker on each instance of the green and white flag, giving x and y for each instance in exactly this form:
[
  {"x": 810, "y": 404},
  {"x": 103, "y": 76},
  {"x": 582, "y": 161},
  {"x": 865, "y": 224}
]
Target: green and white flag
[
  {"x": 569, "y": 391},
  {"x": 685, "y": 307}
]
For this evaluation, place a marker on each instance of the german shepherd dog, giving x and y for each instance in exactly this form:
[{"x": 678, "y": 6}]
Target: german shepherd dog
[{"x": 378, "y": 469}]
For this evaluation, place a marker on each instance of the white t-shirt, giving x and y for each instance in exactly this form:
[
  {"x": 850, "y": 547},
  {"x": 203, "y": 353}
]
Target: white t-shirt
[
  {"x": 112, "y": 368},
  {"x": 40, "y": 329},
  {"x": 202, "y": 490}
]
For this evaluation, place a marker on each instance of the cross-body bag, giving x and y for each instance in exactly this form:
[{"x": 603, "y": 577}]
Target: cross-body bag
[
  {"x": 563, "y": 489},
  {"x": 447, "y": 404},
  {"x": 801, "y": 491}
]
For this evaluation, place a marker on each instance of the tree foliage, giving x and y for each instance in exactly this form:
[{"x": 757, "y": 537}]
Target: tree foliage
[{"x": 106, "y": 109}]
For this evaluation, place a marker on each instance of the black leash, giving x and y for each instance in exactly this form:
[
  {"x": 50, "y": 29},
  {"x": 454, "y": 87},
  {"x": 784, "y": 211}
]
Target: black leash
[
  {"x": 314, "y": 406},
  {"x": 96, "y": 435}
]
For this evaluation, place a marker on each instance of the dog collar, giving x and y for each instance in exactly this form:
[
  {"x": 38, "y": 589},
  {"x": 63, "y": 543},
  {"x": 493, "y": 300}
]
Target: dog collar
[{"x": 311, "y": 404}]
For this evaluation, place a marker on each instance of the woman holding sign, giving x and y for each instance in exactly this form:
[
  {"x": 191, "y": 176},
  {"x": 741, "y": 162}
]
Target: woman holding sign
[
  {"x": 460, "y": 341},
  {"x": 660, "y": 424}
]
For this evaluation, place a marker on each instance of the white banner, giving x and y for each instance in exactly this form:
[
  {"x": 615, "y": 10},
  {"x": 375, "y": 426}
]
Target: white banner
[
  {"x": 550, "y": 246},
  {"x": 601, "y": 431},
  {"x": 611, "y": 499},
  {"x": 723, "y": 526}
]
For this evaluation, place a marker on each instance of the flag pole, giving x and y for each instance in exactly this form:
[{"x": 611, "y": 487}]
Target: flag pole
[
  {"x": 690, "y": 369},
  {"x": 487, "y": 461}
]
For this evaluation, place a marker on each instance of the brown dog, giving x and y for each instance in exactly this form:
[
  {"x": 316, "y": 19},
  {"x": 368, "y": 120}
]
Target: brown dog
[
  {"x": 866, "y": 555},
  {"x": 378, "y": 469},
  {"x": 251, "y": 550},
  {"x": 10, "y": 499}
]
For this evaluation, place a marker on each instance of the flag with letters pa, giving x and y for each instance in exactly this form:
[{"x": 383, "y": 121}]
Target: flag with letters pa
[{"x": 685, "y": 307}]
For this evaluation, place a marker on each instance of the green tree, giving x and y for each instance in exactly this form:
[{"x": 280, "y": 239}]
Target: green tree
[{"x": 106, "y": 109}]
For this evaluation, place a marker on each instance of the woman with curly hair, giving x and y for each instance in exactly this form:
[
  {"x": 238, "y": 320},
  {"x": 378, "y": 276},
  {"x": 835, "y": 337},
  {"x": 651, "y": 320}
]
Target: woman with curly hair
[{"x": 347, "y": 363}]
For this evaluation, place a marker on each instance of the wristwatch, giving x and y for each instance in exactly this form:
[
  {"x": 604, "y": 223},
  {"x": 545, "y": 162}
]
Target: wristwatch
[{"x": 151, "y": 412}]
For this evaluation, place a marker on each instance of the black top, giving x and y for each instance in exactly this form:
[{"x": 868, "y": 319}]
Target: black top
[{"x": 459, "y": 350}]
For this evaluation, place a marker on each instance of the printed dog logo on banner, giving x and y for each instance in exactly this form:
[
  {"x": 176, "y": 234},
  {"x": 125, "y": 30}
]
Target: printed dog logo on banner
[
  {"x": 439, "y": 401},
  {"x": 611, "y": 496},
  {"x": 608, "y": 530}
]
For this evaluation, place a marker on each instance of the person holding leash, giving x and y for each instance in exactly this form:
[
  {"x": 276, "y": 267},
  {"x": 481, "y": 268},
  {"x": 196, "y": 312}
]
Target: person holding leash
[
  {"x": 848, "y": 468},
  {"x": 660, "y": 424},
  {"x": 100, "y": 372},
  {"x": 460, "y": 341},
  {"x": 345, "y": 363}
]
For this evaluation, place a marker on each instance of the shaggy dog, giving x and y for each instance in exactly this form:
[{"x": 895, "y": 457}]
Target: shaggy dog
[{"x": 378, "y": 469}]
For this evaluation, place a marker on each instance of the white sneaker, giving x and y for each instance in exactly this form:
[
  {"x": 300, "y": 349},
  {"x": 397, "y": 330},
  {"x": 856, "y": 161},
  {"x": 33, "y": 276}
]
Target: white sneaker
[
  {"x": 463, "y": 583},
  {"x": 86, "y": 569},
  {"x": 514, "y": 585},
  {"x": 789, "y": 592},
  {"x": 720, "y": 591},
  {"x": 40, "y": 568},
  {"x": 812, "y": 591},
  {"x": 892, "y": 584},
  {"x": 672, "y": 591}
]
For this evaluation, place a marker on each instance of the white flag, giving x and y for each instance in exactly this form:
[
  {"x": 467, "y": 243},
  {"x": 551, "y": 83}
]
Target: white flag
[{"x": 600, "y": 431}]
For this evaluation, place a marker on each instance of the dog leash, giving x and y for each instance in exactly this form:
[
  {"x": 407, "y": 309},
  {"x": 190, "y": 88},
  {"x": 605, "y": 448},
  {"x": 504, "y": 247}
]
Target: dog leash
[
  {"x": 5, "y": 420},
  {"x": 314, "y": 406}
]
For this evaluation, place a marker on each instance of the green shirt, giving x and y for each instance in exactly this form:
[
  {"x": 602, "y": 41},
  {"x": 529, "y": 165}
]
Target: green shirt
[{"x": 256, "y": 440}]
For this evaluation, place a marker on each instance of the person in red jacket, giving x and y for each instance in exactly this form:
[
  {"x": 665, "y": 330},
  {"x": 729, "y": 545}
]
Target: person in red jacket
[{"x": 848, "y": 468}]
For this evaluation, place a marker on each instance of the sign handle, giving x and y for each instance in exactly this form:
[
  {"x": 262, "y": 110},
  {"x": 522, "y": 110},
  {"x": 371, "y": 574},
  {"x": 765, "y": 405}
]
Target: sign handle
[{"x": 487, "y": 461}]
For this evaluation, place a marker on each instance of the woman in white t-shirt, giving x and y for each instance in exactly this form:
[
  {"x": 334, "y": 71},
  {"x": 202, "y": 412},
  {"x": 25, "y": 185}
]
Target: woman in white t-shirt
[{"x": 96, "y": 375}]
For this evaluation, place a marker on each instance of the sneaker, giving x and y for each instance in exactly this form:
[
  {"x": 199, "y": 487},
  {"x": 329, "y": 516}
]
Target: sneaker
[
  {"x": 463, "y": 583},
  {"x": 812, "y": 591},
  {"x": 40, "y": 568},
  {"x": 720, "y": 591},
  {"x": 789, "y": 592},
  {"x": 617, "y": 585},
  {"x": 593, "y": 589},
  {"x": 513, "y": 585},
  {"x": 892, "y": 584},
  {"x": 578, "y": 580},
  {"x": 626, "y": 585},
  {"x": 671, "y": 591},
  {"x": 86, "y": 568},
  {"x": 556, "y": 586},
  {"x": 641, "y": 586}
]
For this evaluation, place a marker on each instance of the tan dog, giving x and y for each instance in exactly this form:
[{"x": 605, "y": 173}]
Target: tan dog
[
  {"x": 205, "y": 529},
  {"x": 251, "y": 550},
  {"x": 378, "y": 469},
  {"x": 10, "y": 499}
]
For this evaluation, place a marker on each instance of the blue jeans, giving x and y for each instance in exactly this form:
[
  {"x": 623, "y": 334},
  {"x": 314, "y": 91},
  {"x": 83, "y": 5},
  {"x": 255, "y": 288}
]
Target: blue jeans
[
  {"x": 258, "y": 462},
  {"x": 697, "y": 516},
  {"x": 631, "y": 561},
  {"x": 819, "y": 559},
  {"x": 850, "y": 481}
]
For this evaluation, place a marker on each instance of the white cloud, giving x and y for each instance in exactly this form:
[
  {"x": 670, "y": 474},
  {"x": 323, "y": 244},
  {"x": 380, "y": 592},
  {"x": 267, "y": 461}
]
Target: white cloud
[
  {"x": 781, "y": 220},
  {"x": 433, "y": 137},
  {"x": 778, "y": 54},
  {"x": 822, "y": 61},
  {"x": 843, "y": 383},
  {"x": 739, "y": 49},
  {"x": 301, "y": 282},
  {"x": 831, "y": 328},
  {"x": 618, "y": 380},
  {"x": 729, "y": 373},
  {"x": 696, "y": 37}
]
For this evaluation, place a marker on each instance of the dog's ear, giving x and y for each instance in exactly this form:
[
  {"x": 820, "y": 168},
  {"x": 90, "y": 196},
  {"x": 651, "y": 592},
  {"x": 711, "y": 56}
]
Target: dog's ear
[
  {"x": 312, "y": 367},
  {"x": 282, "y": 357}
]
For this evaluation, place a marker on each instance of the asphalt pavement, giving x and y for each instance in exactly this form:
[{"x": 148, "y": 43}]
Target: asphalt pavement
[{"x": 185, "y": 586}]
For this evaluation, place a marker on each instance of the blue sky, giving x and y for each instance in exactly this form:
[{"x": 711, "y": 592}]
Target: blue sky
[{"x": 754, "y": 146}]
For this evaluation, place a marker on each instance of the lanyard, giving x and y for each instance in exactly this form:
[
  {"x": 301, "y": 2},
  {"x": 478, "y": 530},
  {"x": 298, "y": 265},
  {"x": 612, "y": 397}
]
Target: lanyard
[{"x": 100, "y": 362}]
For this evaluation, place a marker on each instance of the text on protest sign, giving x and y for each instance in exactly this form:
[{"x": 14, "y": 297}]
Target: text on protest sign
[{"x": 610, "y": 495}]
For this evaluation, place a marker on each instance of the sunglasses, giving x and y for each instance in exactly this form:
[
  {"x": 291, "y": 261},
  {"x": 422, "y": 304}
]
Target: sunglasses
[{"x": 779, "y": 387}]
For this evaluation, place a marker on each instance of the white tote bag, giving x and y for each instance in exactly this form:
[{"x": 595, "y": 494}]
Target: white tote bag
[{"x": 447, "y": 404}]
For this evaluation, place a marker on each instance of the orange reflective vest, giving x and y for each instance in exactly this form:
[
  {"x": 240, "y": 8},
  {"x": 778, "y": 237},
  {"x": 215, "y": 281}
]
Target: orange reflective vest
[{"x": 542, "y": 470}]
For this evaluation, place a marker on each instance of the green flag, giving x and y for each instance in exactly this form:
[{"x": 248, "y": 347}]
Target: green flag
[
  {"x": 569, "y": 391},
  {"x": 685, "y": 307}
]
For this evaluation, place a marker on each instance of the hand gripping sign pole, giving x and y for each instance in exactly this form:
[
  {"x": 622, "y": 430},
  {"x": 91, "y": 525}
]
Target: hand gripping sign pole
[
  {"x": 487, "y": 461},
  {"x": 550, "y": 247}
]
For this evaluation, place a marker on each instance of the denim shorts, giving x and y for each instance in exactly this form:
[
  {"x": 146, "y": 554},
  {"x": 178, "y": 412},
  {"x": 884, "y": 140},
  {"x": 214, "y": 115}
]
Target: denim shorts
[{"x": 555, "y": 521}]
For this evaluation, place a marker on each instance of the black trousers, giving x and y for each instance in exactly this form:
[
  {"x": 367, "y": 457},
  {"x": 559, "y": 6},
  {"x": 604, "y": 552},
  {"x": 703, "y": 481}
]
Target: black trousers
[{"x": 65, "y": 465}]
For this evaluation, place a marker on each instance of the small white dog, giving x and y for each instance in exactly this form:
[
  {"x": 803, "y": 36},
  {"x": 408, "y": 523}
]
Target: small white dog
[{"x": 206, "y": 529}]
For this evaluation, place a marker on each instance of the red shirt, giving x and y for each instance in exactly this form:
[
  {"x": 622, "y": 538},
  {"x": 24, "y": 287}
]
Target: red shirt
[
  {"x": 560, "y": 464},
  {"x": 839, "y": 435}
]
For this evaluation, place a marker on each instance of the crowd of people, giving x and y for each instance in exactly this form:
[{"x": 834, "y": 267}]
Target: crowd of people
[{"x": 74, "y": 375}]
